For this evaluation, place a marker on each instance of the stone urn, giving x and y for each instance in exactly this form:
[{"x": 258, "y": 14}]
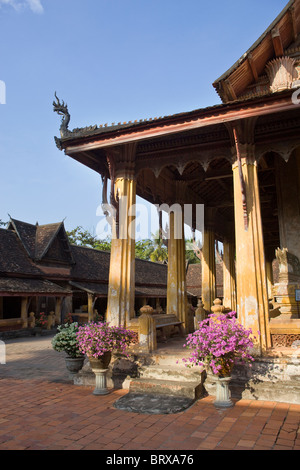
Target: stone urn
[
  {"x": 74, "y": 364},
  {"x": 146, "y": 310},
  {"x": 99, "y": 366},
  {"x": 218, "y": 308}
]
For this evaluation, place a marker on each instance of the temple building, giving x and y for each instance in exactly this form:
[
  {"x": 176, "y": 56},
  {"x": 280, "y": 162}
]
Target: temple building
[{"x": 241, "y": 160}]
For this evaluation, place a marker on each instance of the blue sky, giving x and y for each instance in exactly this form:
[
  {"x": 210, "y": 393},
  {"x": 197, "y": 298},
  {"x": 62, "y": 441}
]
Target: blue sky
[{"x": 111, "y": 61}]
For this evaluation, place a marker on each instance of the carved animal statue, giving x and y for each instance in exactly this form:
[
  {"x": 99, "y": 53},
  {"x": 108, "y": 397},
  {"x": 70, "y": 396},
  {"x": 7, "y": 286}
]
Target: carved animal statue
[{"x": 62, "y": 110}]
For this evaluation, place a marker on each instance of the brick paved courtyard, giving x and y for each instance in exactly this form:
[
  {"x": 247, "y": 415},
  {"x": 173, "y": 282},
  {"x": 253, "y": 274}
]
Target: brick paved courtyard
[{"x": 41, "y": 409}]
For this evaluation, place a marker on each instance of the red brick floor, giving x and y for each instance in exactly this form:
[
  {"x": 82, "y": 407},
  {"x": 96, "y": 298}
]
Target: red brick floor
[{"x": 42, "y": 410}]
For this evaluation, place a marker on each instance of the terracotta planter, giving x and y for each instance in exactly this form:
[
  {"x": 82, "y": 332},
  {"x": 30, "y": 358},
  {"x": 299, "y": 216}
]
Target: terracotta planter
[{"x": 99, "y": 367}]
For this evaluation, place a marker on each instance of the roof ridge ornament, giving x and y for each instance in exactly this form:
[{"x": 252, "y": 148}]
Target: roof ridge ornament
[{"x": 61, "y": 108}]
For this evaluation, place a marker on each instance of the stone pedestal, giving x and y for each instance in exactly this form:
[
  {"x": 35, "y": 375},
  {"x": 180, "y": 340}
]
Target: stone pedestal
[
  {"x": 223, "y": 394},
  {"x": 147, "y": 330}
]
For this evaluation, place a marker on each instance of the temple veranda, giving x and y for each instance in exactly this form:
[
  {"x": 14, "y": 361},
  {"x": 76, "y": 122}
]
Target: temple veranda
[{"x": 240, "y": 160}]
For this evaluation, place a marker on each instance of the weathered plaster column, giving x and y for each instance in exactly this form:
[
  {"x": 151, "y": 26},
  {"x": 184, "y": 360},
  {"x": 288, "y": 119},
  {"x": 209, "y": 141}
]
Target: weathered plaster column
[
  {"x": 121, "y": 290},
  {"x": 176, "y": 289},
  {"x": 229, "y": 282},
  {"x": 252, "y": 296},
  {"x": 208, "y": 260}
]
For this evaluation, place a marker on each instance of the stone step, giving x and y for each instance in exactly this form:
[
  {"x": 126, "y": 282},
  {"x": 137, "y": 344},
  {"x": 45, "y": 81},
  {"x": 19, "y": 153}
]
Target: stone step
[
  {"x": 166, "y": 372},
  {"x": 193, "y": 390}
]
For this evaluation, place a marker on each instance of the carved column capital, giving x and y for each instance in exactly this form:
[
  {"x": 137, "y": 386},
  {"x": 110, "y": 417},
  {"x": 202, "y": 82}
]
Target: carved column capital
[
  {"x": 247, "y": 155},
  {"x": 122, "y": 158}
]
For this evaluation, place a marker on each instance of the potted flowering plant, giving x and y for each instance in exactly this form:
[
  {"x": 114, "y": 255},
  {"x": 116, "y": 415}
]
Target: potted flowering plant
[
  {"x": 66, "y": 340},
  {"x": 41, "y": 322},
  {"x": 98, "y": 340},
  {"x": 68, "y": 319},
  {"x": 217, "y": 344}
]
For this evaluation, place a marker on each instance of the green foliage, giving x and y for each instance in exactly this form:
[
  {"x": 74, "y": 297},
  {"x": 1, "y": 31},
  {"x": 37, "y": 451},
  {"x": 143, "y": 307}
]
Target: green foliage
[
  {"x": 80, "y": 236},
  {"x": 66, "y": 340},
  {"x": 160, "y": 251},
  {"x": 143, "y": 249},
  {"x": 153, "y": 249},
  {"x": 190, "y": 255}
]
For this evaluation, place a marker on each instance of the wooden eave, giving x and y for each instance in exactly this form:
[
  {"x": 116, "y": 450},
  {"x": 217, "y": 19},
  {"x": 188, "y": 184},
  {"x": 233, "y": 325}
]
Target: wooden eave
[
  {"x": 90, "y": 149},
  {"x": 271, "y": 44}
]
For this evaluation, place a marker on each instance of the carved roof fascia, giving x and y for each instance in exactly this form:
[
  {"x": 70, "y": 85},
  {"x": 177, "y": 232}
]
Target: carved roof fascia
[
  {"x": 282, "y": 148},
  {"x": 204, "y": 157}
]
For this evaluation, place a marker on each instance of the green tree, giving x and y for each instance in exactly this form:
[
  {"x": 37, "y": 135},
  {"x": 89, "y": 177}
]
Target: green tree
[
  {"x": 143, "y": 249},
  {"x": 160, "y": 251},
  {"x": 80, "y": 236},
  {"x": 193, "y": 256}
]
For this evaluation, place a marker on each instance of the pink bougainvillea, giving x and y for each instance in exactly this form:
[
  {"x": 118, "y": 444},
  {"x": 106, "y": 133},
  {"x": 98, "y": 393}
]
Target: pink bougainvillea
[
  {"x": 96, "y": 338},
  {"x": 219, "y": 337}
]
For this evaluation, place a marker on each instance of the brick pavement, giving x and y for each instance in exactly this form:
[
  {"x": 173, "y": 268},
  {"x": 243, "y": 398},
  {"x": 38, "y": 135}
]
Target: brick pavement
[{"x": 41, "y": 409}]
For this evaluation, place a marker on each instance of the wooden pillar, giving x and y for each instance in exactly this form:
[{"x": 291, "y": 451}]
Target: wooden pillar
[
  {"x": 176, "y": 289},
  {"x": 229, "y": 282},
  {"x": 58, "y": 304},
  {"x": 208, "y": 261},
  {"x": 121, "y": 290},
  {"x": 252, "y": 296},
  {"x": 90, "y": 307},
  {"x": 269, "y": 274},
  {"x": 24, "y": 311}
]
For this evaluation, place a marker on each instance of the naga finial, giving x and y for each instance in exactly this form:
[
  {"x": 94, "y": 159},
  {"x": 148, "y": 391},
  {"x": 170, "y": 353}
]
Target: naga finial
[{"x": 62, "y": 110}]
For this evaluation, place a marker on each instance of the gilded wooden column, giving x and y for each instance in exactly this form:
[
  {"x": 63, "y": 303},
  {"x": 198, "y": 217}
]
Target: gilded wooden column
[
  {"x": 208, "y": 261},
  {"x": 121, "y": 290},
  {"x": 176, "y": 289},
  {"x": 229, "y": 282},
  {"x": 252, "y": 295}
]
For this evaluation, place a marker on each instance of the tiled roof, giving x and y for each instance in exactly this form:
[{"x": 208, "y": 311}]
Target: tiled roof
[
  {"x": 13, "y": 257},
  {"x": 194, "y": 279},
  {"x": 44, "y": 236},
  {"x": 31, "y": 287},
  {"x": 35, "y": 238}
]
